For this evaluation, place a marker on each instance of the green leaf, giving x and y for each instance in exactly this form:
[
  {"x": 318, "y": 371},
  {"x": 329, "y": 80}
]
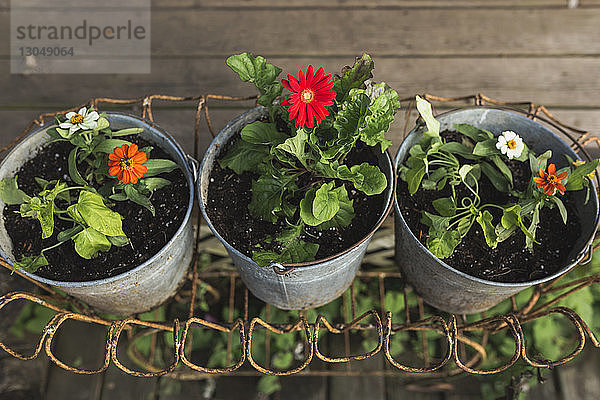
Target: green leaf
[
  {"x": 535, "y": 163},
  {"x": 458, "y": 148},
  {"x": 244, "y": 156},
  {"x": 414, "y": 178},
  {"x": 352, "y": 114},
  {"x": 126, "y": 132},
  {"x": 73, "y": 171},
  {"x": 89, "y": 242},
  {"x": 267, "y": 195},
  {"x": 268, "y": 384},
  {"x": 498, "y": 179},
  {"x": 69, "y": 233},
  {"x": 561, "y": 208},
  {"x": 102, "y": 123},
  {"x": 134, "y": 195},
  {"x": 262, "y": 133},
  {"x": 157, "y": 166},
  {"x": 345, "y": 214},
  {"x": 283, "y": 360},
  {"x": 10, "y": 192},
  {"x": 475, "y": 134},
  {"x": 512, "y": 217},
  {"x": 153, "y": 184},
  {"x": 118, "y": 241},
  {"x": 374, "y": 181},
  {"x": 501, "y": 165},
  {"x": 433, "y": 125},
  {"x": 31, "y": 263},
  {"x": 578, "y": 175},
  {"x": 353, "y": 77},
  {"x": 384, "y": 103},
  {"x": 97, "y": 215},
  {"x": 326, "y": 203},
  {"x": 296, "y": 146},
  {"x": 487, "y": 148},
  {"x": 306, "y": 213},
  {"x": 253, "y": 69},
  {"x": 485, "y": 220},
  {"x": 445, "y": 206},
  {"x": 293, "y": 249},
  {"x": 109, "y": 145},
  {"x": 436, "y": 222},
  {"x": 443, "y": 243}
]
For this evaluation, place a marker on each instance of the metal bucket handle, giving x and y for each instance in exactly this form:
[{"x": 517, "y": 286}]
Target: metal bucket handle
[
  {"x": 280, "y": 269},
  {"x": 194, "y": 166},
  {"x": 587, "y": 255}
]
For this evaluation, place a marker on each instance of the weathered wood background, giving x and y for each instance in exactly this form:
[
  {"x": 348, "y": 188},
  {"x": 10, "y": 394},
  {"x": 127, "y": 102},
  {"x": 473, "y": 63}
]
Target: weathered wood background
[{"x": 545, "y": 51}]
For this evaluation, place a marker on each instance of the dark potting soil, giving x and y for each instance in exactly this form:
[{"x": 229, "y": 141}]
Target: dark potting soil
[
  {"x": 227, "y": 206},
  {"x": 147, "y": 234},
  {"x": 510, "y": 261}
]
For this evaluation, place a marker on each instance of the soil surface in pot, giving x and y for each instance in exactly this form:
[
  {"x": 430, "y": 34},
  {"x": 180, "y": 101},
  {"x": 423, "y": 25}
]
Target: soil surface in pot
[
  {"x": 229, "y": 195},
  {"x": 147, "y": 234},
  {"x": 510, "y": 261}
]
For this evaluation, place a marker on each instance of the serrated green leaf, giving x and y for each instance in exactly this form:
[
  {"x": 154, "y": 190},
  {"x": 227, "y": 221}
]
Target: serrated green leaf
[
  {"x": 253, "y": 69},
  {"x": 267, "y": 195},
  {"x": 89, "y": 242},
  {"x": 374, "y": 181},
  {"x": 426, "y": 112},
  {"x": 353, "y": 77},
  {"x": 352, "y": 114},
  {"x": 384, "y": 103},
  {"x": 10, "y": 192},
  {"x": 484, "y": 219},
  {"x": 244, "y": 156}
]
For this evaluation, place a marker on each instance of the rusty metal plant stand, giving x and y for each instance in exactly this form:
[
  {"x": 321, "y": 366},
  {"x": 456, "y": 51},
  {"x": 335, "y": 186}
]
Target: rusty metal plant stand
[{"x": 453, "y": 331}]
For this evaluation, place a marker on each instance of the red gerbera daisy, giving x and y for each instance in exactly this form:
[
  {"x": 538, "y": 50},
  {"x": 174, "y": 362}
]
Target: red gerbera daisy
[
  {"x": 125, "y": 163},
  {"x": 550, "y": 182},
  {"x": 311, "y": 94}
]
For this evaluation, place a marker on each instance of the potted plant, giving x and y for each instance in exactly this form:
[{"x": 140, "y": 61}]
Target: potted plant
[
  {"x": 99, "y": 206},
  {"x": 489, "y": 203},
  {"x": 296, "y": 187}
]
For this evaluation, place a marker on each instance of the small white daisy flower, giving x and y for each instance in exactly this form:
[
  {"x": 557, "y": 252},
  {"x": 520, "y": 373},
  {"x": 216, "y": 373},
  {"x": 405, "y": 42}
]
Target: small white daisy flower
[
  {"x": 83, "y": 119},
  {"x": 511, "y": 144}
]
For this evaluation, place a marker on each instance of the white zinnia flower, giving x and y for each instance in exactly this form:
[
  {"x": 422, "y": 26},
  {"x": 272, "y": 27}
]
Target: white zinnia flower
[
  {"x": 511, "y": 144},
  {"x": 80, "y": 120}
]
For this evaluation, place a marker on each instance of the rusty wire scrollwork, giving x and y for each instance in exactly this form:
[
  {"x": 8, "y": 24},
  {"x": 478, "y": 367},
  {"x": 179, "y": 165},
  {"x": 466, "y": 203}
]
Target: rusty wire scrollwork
[{"x": 453, "y": 331}]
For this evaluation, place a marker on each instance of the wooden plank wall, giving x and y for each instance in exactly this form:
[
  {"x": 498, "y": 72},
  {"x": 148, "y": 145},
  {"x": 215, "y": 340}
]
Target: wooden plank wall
[{"x": 537, "y": 50}]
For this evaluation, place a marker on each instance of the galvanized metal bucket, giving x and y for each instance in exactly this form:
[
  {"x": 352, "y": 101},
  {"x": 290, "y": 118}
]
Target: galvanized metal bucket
[
  {"x": 152, "y": 282},
  {"x": 291, "y": 286},
  {"x": 454, "y": 291}
]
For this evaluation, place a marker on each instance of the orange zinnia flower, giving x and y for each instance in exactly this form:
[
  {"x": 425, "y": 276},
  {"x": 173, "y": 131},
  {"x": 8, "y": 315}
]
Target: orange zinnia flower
[
  {"x": 550, "y": 182},
  {"x": 125, "y": 163}
]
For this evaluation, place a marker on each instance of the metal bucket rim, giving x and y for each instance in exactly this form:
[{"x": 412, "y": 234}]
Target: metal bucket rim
[
  {"x": 473, "y": 278},
  {"x": 391, "y": 190},
  {"x": 190, "y": 183}
]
